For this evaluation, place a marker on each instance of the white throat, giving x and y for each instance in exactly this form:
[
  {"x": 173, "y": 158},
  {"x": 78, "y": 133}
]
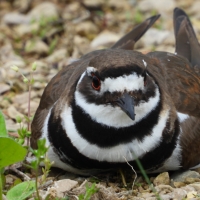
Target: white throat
[{"x": 114, "y": 116}]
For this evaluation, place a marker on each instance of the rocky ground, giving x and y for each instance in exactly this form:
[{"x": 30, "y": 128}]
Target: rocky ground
[{"x": 56, "y": 32}]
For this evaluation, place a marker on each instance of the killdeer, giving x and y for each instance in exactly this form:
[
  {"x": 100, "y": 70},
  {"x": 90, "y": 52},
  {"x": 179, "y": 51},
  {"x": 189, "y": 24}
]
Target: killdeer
[{"x": 117, "y": 105}]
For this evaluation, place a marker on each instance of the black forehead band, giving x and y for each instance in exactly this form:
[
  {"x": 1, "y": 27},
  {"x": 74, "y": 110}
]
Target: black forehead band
[{"x": 114, "y": 72}]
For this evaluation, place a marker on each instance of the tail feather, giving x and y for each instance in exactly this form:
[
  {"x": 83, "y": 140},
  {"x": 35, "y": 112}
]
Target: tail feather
[
  {"x": 187, "y": 44},
  {"x": 128, "y": 41}
]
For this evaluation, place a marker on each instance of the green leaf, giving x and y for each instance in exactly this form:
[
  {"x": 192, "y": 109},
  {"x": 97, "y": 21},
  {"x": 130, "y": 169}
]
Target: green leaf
[
  {"x": 90, "y": 190},
  {"x": 21, "y": 191},
  {"x": 18, "y": 119},
  {"x": 10, "y": 152},
  {"x": 3, "y": 131},
  {"x": 17, "y": 181}
]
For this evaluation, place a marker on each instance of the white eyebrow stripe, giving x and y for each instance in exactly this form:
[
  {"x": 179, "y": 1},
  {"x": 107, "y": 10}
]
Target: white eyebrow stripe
[
  {"x": 81, "y": 77},
  {"x": 127, "y": 82}
]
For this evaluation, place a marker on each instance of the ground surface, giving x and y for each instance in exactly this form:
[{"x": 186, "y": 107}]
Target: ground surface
[{"x": 54, "y": 33}]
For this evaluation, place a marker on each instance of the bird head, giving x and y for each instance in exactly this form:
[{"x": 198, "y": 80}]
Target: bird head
[{"x": 120, "y": 94}]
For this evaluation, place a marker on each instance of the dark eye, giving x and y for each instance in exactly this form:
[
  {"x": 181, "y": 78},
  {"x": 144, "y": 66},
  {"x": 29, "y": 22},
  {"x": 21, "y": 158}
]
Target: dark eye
[{"x": 96, "y": 83}]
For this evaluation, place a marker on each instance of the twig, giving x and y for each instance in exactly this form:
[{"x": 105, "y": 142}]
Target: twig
[
  {"x": 29, "y": 108},
  {"x": 123, "y": 178},
  {"x": 132, "y": 170},
  {"x": 36, "y": 185},
  {"x": 83, "y": 183},
  {"x": 46, "y": 184},
  {"x": 21, "y": 174},
  {"x": 71, "y": 195}
]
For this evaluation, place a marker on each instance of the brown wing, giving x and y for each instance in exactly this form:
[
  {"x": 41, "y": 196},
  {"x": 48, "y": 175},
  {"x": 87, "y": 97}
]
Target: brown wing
[
  {"x": 127, "y": 42},
  {"x": 187, "y": 46},
  {"x": 58, "y": 84},
  {"x": 182, "y": 81},
  {"x": 182, "y": 75},
  {"x": 50, "y": 95},
  {"x": 182, "y": 41},
  {"x": 189, "y": 142}
]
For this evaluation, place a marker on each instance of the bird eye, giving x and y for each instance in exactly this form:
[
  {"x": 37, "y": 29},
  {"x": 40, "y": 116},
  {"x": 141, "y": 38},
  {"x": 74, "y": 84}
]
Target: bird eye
[{"x": 96, "y": 83}]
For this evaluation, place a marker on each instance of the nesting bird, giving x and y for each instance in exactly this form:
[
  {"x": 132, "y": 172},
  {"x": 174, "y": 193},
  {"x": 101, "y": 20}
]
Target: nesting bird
[{"x": 117, "y": 105}]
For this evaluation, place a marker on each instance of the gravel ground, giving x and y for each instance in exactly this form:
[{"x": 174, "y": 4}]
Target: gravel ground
[{"x": 53, "y": 34}]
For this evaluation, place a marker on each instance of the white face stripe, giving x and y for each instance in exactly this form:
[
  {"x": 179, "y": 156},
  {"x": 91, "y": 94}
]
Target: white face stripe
[
  {"x": 117, "y": 153},
  {"x": 114, "y": 116},
  {"x": 81, "y": 77},
  {"x": 123, "y": 83},
  {"x": 90, "y": 70}
]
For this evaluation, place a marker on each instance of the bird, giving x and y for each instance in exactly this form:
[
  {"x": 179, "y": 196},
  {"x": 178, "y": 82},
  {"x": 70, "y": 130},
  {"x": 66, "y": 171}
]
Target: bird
[{"x": 115, "y": 106}]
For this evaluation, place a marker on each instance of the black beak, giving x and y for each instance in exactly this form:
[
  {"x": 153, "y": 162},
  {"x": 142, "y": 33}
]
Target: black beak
[{"x": 126, "y": 103}]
